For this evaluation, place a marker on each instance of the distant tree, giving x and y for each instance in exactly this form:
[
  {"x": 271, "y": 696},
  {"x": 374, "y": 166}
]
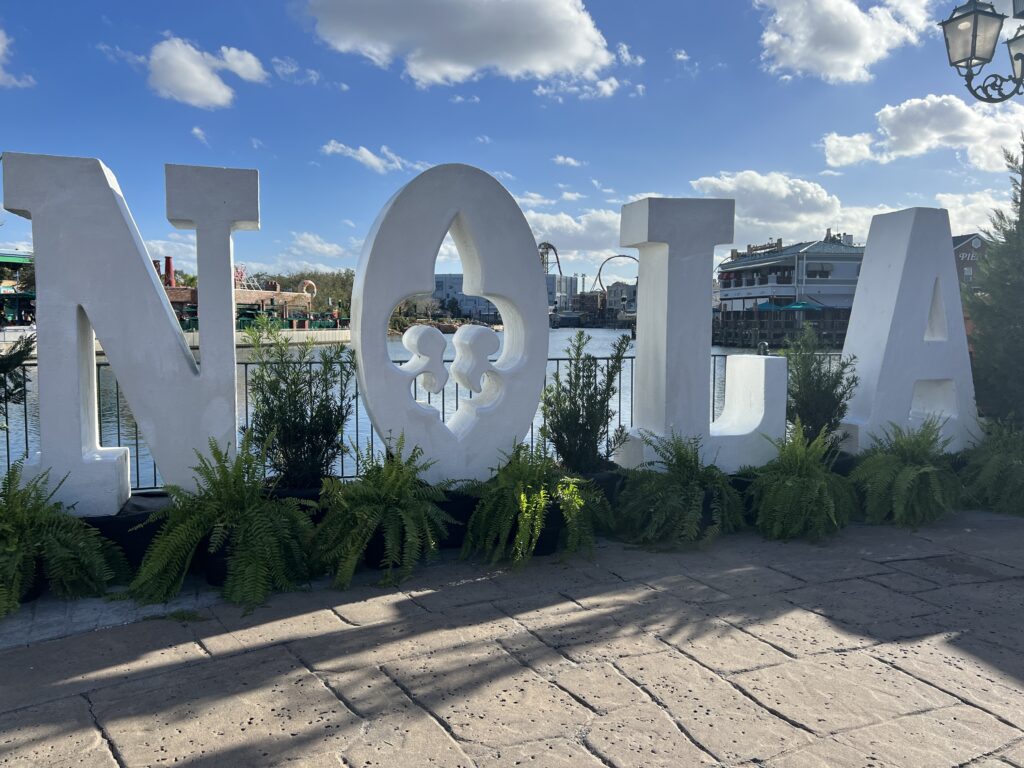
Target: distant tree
[
  {"x": 185, "y": 279},
  {"x": 452, "y": 305},
  {"x": 333, "y": 288},
  {"x": 995, "y": 310},
  {"x": 429, "y": 307}
]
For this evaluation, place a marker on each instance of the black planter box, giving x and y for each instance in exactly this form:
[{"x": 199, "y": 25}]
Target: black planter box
[{"x": 120, "y": 528}]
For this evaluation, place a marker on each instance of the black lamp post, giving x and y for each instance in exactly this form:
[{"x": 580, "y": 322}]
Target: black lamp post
[{"x": 972, "y": 33}]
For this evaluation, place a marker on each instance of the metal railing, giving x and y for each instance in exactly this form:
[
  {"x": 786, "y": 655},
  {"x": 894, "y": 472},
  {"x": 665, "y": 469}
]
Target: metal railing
[{"x": 118, "y": 428}]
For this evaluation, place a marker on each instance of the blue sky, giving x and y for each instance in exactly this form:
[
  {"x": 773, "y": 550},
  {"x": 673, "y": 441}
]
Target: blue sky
[{"x": 811, "y": 113}]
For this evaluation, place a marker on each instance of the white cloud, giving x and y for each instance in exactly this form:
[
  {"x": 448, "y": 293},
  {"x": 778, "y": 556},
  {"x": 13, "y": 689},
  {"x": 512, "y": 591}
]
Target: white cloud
[
  {"x": 532, "y": 200},
  {"x": 460, "y": 99},
  {"x": 7, "y": 80},
  {"x": 640, "y": 90},
  {"x": 918, "y": 126},
  {"x": 180, "y": 246},
  {"x": 180, "y": 71},
  {"x": 838, "y": 40},
  {"x": 484, "y": 139},
  {"x": 627, "y": 58},
  {"x": 572, "y": 197},
  {"x": 681, "y": 55},
  {"x": 566, "y": 160},
  {"x": 583, "y": 241},
  {"x": 778, "y": 205},
  {"x": 971, "y": 211},
  {"x": 385, "y": 162},
  {"x": 288, "y": 69},
  {"x": 503, "y": 175},
  {"x": 349, "y": 223},
  {"x": 200, "y": 135},
  {"x": 312, "y": 243},
  {"x": 830, "y": 172},
  {"x": 343, "y": 87},
  {"x": 444, "y": 42},
  {"x": 116, "y": 53},
  {"x": 256, "y": 143},
  {"x": 601, "y": 188},
  {"x": 581, "y": 89}
]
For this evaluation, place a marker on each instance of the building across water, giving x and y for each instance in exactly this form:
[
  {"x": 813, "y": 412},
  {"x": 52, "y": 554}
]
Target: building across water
[{"x": 768, "y": 292}]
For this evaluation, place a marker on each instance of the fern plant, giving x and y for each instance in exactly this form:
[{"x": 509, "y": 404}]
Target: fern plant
[
  {"x": 577, "y": 406},
  {"x": 390, "y": 498},
  {"x": 906, "y": 477},
  {"x": 265, "y": 539},
  {"x": 797, "y": 494},
  {"x": 514, "y": 504},
  {"x": 995, "y": 470},
  {"x": 302, "y": 398},
  {"x": 36, "y": 530},
  {"x": 664, "y": 500}
]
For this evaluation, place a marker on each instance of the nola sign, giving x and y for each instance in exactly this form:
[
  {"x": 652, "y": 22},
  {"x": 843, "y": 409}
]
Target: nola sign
[{"x": 95, "y": 279}]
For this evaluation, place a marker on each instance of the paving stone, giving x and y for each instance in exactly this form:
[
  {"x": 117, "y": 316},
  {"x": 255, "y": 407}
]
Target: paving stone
[
  {"x": 903, "y": 582},
  {"x": 822, "y": 569},
  {"x": 600, "y": 686},
  {"x": 532, "y": 653},
  {"x": 256, "y": 709},
  {"x": 1001, "y": 598},
  {"x": 1014, "y": 755},
  {"x": 458, "y": 593},
  {"x": 859, "y": 602},
  {"x": 396, "y": 731},
  {"x": 484, "y": 695},
  {"x": 59, "y": 668},
  {"x": 551, "y": 753},
  {"x": 829, "y": 753},
  {"x": 372, "y": 605},
  {"x": 719, "y": 718},
  {"x": 986, "y": 675},
  {"x": 839, "y": 692},
  {"x": 947, "y": 570},
  {"x": 719, "y": 645},
  {"x": 374, "y": 644},
  {"x": 884, "y": 543},
  {"x": 685, "y": 588},
  {"x": 643, "y": 736},
  {"x": 795, "y": 630},
  {"x": 943, "y": 738},
  {"x": 284, "y": 618},
  {"x": 59, "y": 733},
  {"x": 744, "y": 580}
]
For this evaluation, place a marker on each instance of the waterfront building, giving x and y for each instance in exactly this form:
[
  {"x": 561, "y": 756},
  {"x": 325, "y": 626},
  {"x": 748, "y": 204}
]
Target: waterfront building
[
  {"x": 17, "y": 303},
  {"x": 621, "y": 299},
  {"x": 449, "y": 286},
  {"x": 767, "y": 292}
]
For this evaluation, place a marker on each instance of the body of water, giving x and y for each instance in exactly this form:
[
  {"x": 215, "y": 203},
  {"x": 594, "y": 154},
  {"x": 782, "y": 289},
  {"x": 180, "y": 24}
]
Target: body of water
[{"x": 118, "y": 427}]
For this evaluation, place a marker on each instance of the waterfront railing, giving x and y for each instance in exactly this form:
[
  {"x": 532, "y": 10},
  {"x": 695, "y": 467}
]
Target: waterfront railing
[{"x": 118, "y": 428}]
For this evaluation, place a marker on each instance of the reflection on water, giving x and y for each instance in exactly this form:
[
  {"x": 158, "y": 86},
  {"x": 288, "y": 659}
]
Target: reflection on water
[{"x": 118, "y": 427}]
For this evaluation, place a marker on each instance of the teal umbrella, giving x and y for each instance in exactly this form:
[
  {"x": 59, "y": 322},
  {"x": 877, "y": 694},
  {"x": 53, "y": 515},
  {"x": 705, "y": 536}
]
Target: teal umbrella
[{"x": 803, "y": 306}]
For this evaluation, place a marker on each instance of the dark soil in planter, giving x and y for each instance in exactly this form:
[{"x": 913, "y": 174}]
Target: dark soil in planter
[
  {"x": 610, "y": 481},
  {"x": 844, "y": 464},
  {"x": 741, "y": 483},
  {"x": 550, "y": 538},
  {"x": 119, "y": 528},
  {"x": 38, "y": 587},
  {"x": 215, "y": 566},
  {"x": 459, "y": 505}
]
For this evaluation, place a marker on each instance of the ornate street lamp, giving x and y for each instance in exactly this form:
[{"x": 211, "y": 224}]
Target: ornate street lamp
[{"x": 972, "y": 33}]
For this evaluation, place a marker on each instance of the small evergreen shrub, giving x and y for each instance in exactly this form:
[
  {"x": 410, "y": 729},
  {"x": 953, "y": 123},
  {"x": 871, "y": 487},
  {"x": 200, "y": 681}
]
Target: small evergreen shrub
[
  {"x": 664, "y": 500},
  {"x": 820, "y": 387},
  {"x": 265, "y": 539},
  {"x": 995, "y": 470},
  {"x": 797, "y": 495},
  {"x": 302, "y": 398},
  {"x": 12, "y": 376},
  {"x": 514, "y": 507},
  {"x": 36, "y": 530},
  {"x": 390, "y": 498},
  {"x": 906, "y": 477},
  {"x": 577, "y": 406}
]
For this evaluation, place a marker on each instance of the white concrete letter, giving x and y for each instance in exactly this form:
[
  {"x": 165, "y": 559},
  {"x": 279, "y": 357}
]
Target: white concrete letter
[
  {"x": 671, "y": 389},
  {"x": 93, "y": 273},
  {"x": 499, "y": 256},
  {"x": 907, "y": 332}
]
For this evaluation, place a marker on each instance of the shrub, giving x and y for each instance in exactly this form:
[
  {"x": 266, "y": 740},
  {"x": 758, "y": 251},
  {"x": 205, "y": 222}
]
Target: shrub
[
  {"x": 797, "y": 494},
  {"x": 577, "y": 406},
  {"x": 664, "y": 500},
  {"x": 12, "y": 377},
  {"x": 264, "y": 538},
  {"x": 301, "y": 401},
  {"x": 820, "y": 387},
  {"x": 36, "y": 530},
  {"x": 906, "y": 476},
  {"x": 389, "y": 498},
  {"x": 514, "y": 505},
  {"x": 995, "y": 470}
]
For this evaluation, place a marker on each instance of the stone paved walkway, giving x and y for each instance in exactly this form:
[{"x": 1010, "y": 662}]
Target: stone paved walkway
[{"x": 880, "y": 648}]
